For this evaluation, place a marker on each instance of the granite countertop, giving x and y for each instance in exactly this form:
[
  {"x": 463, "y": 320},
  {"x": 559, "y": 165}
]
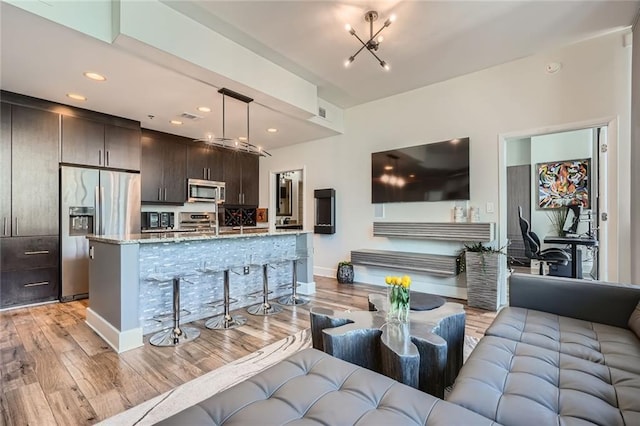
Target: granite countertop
[{"x": 176, "y": 237}]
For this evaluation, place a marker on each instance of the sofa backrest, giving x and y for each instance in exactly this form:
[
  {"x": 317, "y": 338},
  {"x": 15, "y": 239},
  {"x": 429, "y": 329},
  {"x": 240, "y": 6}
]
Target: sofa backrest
[{"x": 597, "y": 301}]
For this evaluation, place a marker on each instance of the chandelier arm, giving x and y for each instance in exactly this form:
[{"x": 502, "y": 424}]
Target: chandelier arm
[
  {"x": 376, "y": 34},
  {"x": 359, "y": 50},
  {"x": 376, "y": 56},
  {"x": 359, "y": 39}
]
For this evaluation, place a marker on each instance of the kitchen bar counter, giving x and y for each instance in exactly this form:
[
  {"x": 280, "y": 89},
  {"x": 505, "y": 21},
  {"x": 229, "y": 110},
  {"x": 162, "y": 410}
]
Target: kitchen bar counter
[
  {"x": 165, "y": 237},
  {"x": 126, "y": 301}
]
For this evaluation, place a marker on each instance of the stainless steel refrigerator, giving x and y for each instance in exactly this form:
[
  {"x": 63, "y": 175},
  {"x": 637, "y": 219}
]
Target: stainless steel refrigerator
[{"x": 92, "y": 201}]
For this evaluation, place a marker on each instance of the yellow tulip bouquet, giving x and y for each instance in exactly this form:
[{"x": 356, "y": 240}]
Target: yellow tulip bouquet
[{"x": 399, "y": 294}]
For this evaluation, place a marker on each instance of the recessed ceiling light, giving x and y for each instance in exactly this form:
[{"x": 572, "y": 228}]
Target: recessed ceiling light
[
  {"x": 272, "y": 130},
  {"x": 76, "y": 97},
  {"x": 95, "y": 76},
  {"x": 242, "y": 138},
  {"x": 176, "y": 122},
  {"x": 204, "y": 109}
]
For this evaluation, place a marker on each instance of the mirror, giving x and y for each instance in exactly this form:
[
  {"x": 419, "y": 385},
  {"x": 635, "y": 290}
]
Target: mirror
[
  {"x": 283, "y": 195},
  {"x": 289, "y": 194}
]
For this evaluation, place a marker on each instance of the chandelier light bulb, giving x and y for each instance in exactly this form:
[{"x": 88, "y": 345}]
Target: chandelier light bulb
[
  {"x": 392, "y": 18},
  {"x": 348, "y": 61},
  {"x": 400, "y": 182},
  {"x": 385, "y": 65},
  {"x": 348, "y": 28},
  {"x": 384, "y": 178},
  {"x": 393, "y": 180},
  {"x": 380, "y": 39}
]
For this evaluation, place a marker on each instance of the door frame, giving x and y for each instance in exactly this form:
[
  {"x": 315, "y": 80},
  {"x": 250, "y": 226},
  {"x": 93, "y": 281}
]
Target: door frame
[{"x": 608, "y": 251}]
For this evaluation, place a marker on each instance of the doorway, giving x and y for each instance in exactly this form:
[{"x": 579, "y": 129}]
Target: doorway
[{"x": 522, "y": 152}]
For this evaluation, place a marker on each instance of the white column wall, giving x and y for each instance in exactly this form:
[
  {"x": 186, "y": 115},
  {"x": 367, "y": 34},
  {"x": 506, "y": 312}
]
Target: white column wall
[
  {"x": 594, "y": 83},
  {"x": 635, "y": 158}
]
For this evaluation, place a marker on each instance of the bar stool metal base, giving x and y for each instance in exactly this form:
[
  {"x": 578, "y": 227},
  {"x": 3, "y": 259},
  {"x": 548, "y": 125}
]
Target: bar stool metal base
[
  {"x": 173, "y": 337},
  {"x": 225, "y": 322},
  {"x": 264, "y": 309},
  {"x": 292, "y": 300}
]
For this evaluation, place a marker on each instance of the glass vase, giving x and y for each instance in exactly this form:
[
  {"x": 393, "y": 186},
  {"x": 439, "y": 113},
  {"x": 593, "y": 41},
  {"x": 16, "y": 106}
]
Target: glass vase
[{"x": 399, "y": 298}]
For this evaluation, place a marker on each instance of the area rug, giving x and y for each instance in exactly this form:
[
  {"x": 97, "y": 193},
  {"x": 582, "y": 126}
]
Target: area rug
[{"x": 190, "y": 393}]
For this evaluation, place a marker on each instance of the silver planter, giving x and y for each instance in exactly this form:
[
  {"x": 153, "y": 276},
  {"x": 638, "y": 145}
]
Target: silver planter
[
  {"x": 484, "y": 272},
  {"x": 345, "y": 274}
]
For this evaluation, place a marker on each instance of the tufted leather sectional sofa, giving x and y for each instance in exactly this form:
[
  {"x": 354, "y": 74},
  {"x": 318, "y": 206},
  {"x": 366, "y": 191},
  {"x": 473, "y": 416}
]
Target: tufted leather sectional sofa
[{"x": 561, "y": 354}]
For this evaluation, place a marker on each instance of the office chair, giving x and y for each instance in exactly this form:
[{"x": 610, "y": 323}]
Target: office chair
[{"x": 532, "y": 247}]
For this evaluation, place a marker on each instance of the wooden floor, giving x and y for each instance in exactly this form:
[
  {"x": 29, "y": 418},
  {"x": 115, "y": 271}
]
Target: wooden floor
[{"x": 55, "y": 370}]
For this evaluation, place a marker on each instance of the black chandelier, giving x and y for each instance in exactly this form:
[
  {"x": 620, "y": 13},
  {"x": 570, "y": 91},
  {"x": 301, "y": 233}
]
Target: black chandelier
[
  {"x": 374, "y": 41},
  {"x": 240, "y": 144}
]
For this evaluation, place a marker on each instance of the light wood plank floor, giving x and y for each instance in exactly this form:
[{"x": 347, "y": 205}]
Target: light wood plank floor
[{"x": 55, "y": 370}]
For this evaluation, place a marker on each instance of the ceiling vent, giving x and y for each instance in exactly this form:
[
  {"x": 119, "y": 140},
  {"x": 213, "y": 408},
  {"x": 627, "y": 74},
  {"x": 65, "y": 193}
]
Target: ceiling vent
[
  {"x": 322, "y": 112},
  {"x": 189, "y": 116}
]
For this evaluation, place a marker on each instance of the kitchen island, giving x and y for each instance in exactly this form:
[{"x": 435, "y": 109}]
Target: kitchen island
[{"x": 130, "y": 277}]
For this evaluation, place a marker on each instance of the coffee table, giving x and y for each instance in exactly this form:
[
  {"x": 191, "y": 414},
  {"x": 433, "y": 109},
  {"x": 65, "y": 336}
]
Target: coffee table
[{"x": 425, "y": 353}]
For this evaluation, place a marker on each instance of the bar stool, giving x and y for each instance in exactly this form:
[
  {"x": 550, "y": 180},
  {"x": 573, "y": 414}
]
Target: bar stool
[
  {"x": 226, "y": 321},
  {"x": 293, "y": 299},
  {"x": 264, "y": 308},
  {"x": 175, "y": 335}
]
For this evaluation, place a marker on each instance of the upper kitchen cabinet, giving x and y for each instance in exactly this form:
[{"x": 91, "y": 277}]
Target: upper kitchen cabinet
[
  {"x": 5, "y": 169},
  {"x": 204, "y": 162},
  {"x": 163, "y": 168},
  {"x": 122, "y": 146},
  {"x": 94, "y": 143},
  {"x": 241, "y": 177},
  {"x": 34, "y": 172},
  {"x": 250, "y": 179}
]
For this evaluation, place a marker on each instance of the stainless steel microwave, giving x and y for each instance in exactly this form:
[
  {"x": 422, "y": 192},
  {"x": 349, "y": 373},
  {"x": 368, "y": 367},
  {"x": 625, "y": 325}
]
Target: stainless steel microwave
[{"x": 207, "y": 191}]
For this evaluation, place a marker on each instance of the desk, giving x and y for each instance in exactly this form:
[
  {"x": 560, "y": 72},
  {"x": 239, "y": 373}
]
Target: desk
[{"x": 574, "y": 242}]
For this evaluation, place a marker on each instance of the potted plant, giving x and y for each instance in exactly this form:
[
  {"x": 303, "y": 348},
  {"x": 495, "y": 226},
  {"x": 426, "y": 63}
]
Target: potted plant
[
  {"x": 558, "y": 217},
  {"x": 484, "y": 268},
  {"x": 345, "y": 272}
]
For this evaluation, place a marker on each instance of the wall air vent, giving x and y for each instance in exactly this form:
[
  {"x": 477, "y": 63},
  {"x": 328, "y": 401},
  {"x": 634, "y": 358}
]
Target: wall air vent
[
  {"x": 322, "y": 112},
  {"x": 189, "y": 116}
]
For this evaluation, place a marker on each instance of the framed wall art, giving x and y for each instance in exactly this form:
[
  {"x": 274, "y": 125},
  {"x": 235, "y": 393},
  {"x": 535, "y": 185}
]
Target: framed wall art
[{"x": 564, "y": 183}]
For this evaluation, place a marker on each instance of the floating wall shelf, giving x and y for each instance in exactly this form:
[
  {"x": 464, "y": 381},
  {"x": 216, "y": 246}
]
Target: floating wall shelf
[
  {"x": 446, "y": 231},
  {"x": 431, "y": 264}
]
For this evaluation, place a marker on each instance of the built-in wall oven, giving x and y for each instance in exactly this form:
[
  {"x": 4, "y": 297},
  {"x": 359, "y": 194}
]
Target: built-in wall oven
[{"x": 199, "y": 190}]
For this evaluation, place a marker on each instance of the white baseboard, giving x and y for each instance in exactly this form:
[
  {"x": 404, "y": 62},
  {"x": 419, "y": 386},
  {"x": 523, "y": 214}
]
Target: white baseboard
[
  {"x": 324, "y": 272},
  {"x": 120, "y": 341},
  {"x": 307, "y": 288}
]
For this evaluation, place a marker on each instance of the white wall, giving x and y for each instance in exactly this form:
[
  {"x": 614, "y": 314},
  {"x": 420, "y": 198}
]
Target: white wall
[
  {"x": 519, "y": 152},
  {"x": 575, "y": 145},
  {"x": 594, "y": 83}
]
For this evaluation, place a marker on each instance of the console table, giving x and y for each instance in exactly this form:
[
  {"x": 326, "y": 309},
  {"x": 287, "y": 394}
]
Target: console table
[{"x": 425, "y": 353}]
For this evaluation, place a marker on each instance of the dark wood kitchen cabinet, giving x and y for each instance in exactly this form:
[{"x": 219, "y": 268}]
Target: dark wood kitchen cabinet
[
  {"x": 29, "y": 257},
  {"x": 93, "y": 143},
  {"x": 163, "y": 169},
  {"x": 29, "y": 268},
  {"x": 34, "y": 172},
  {"x": 241, "y": 176},
  {"x": 5, "y": 170},
  {"x": 204, "y": 162}
]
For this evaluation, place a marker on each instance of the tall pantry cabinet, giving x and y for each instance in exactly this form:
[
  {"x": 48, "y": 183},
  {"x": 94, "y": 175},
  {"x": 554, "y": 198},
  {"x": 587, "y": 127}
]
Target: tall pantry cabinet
[{"x": 29, "y": 221}]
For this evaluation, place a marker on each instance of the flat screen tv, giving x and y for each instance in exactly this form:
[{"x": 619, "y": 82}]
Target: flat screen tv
[{"x": 430, "y": 172}]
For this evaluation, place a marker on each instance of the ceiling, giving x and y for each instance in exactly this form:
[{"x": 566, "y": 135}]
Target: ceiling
[{"x": 429, "y": 42}]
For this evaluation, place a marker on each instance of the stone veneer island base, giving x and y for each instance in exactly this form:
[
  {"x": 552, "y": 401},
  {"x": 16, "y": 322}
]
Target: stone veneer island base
[{"x": 130, "y": 287}]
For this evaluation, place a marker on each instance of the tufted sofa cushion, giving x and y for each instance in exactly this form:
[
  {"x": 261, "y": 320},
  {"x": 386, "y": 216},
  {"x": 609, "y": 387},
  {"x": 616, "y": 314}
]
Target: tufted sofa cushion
[
  {"x": 313, "y": 388},
  {"x": 520, "y": 384},
  {"x": 612, "y": 346}
]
